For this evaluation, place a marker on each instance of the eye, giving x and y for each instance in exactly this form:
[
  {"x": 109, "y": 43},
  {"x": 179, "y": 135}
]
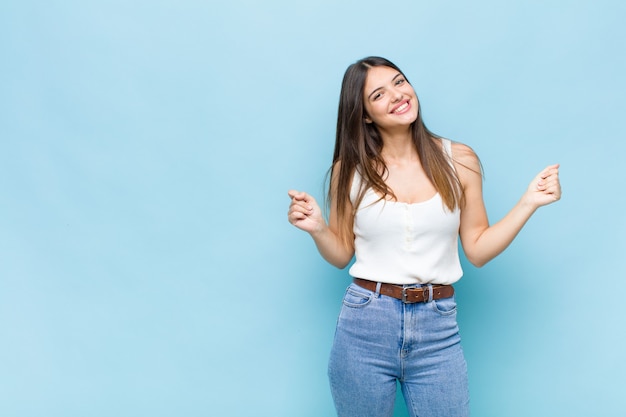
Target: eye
[
  {"x": 400, "y": 81},
  {"x": 377, "y": 96}
]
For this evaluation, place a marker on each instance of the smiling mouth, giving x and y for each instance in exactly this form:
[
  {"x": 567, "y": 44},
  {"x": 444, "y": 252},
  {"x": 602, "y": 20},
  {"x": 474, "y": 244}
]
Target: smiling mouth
[{"x": 401, "y": 108}]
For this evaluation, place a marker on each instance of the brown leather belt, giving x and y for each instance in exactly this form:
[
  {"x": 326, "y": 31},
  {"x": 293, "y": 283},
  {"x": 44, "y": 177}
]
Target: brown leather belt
[{"x": 410, "y": 294}]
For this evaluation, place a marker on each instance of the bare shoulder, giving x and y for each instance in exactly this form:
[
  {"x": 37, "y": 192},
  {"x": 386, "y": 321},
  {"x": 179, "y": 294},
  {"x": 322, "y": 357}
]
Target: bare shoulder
[{"x": 465, "y": 159}]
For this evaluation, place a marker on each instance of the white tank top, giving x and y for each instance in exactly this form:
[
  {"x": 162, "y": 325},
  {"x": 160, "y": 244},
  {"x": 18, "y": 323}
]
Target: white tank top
[{"x": 402, "y": 243}]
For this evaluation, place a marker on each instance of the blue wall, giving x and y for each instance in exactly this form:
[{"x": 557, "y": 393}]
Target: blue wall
[{"x": 146, "y": 148}]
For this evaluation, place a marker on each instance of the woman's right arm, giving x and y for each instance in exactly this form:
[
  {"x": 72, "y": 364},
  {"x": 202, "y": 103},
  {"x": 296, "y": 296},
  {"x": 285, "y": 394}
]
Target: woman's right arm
[{"x": 305, "y": 214}]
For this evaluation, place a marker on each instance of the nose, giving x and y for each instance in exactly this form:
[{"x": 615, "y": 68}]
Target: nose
[{"x": 397, "y": 95}]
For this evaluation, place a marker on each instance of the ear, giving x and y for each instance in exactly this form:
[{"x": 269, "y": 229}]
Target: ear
[{"x": 367, "y": 119}]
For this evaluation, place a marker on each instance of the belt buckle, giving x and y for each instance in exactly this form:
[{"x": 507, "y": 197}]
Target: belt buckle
[
  {"x": 405, "y": 291},
  {"x": 425, "y": 294}
]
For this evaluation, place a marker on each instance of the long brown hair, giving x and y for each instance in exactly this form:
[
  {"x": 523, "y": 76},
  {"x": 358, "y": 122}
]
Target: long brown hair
[{"x": 358, "y": 146}]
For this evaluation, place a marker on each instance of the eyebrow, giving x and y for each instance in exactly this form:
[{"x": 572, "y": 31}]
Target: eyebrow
[{"x": 380, "y": 88}]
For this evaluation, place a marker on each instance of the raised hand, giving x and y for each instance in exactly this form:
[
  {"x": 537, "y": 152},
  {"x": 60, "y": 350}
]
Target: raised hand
[
  {"x": 545, "y": 188},
  {"x": 304, "y": 212}
]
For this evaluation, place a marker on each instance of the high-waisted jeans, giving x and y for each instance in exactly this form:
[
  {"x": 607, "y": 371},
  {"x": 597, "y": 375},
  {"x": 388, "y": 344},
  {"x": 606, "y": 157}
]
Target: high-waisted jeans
[{"x": 380, "y": 340}]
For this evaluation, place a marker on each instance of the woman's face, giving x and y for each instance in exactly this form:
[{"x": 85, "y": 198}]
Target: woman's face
[{"x": 390, "y": 100}]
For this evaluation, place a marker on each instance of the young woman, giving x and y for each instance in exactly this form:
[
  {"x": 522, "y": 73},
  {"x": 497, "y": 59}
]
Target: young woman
[{"x": 400, "y": 197}]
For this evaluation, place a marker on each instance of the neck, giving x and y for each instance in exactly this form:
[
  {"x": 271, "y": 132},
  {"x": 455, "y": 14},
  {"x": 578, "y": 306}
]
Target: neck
[{"x": 398, "y": 146}]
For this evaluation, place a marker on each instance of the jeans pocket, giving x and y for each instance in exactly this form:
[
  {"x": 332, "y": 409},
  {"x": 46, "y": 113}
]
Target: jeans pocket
[
  {"x": 357, "y": 297},
  {"x": 445, "y": 306}
]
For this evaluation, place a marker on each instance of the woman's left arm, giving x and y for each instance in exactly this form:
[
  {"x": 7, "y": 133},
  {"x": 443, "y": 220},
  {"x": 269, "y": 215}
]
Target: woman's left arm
[{"x": 482, "y": 242}]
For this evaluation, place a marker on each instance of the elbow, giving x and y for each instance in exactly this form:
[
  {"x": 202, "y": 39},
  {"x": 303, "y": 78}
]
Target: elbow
[
  {"x": 338, "y": 261},
  {"x": 476, "y": 254},
  {"x": 477, "y": 261},
  {"x": 341, "y": 263},
  {"x": 479, "y": 264}
]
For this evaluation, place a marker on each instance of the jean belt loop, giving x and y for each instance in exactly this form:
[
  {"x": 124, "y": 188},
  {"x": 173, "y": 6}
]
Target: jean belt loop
[
  {"x": 430, "y": 293},
  {"x": 378, "y": 284}
]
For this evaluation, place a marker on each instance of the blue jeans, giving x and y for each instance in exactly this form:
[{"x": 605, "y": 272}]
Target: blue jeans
[{"x": 380, "y": 340}]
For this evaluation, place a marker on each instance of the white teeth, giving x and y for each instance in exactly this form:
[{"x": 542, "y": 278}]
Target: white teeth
[{"x": 402, "y": 107}]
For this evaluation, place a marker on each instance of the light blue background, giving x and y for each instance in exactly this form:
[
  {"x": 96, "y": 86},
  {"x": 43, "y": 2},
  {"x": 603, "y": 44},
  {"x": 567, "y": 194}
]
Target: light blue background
[{"x": 146, "y": 264}]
